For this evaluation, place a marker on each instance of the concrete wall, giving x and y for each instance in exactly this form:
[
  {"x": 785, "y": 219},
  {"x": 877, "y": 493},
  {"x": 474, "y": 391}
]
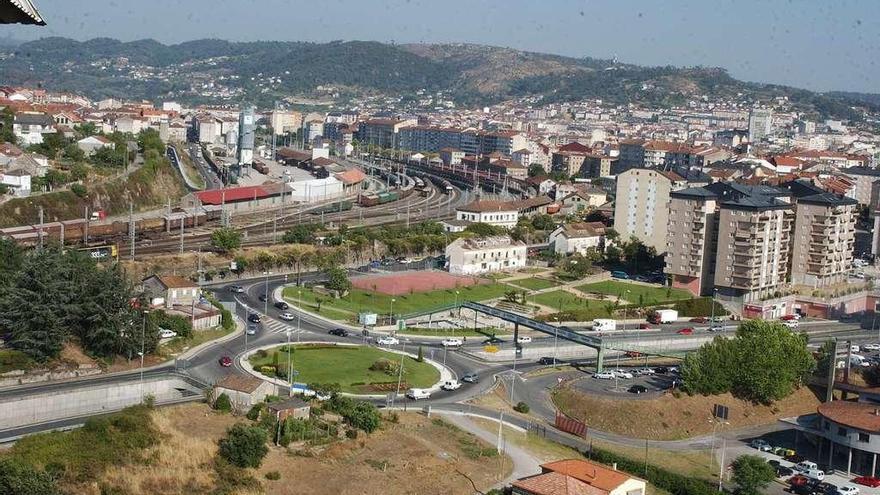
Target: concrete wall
[{"x": 86, "y": 400}]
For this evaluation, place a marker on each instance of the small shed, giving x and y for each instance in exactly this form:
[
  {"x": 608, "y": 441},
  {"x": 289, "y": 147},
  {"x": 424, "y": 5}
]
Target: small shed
[
  {"x": 243, "y": 390},
  {"x": 293, "y": 407}
]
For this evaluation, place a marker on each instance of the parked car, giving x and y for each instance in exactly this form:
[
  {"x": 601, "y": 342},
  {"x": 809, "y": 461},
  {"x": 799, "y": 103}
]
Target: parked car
[
  {"x": 418, "y": 393},
  {"x": 619, "y": 274},
  {"x": 254, "y": 318},
  {"x": 236, "y": 288},
  {"x": 789, "y": 317},
  {"x": 661, "y": 370},
  {"x": 546, "y": 360},
  {"x": 646, "y": 371},
  {"x": 761, "y": 445},
  {"x": 848, "y": 490},
  {"x": 794, "y": 458},
  {"x": 470, "y": 378},
  {"x": 286, "y": 316},
  {"x": 523, "y": 340},
  {"x": 871, "y": 481},
  {"x": 339, "y": 332},
  {"x": 791, "y": 323},
  {"x": 871, "y": 347},
  {"x": 798, "y": 480},
  {"x": 783, "y": 452},
  {"x": 281, "y": 305},
  {"x": 226, "y": 361},
  {"x": 164, "y": 333},
  {"x": 626, "y": 375},
  {"x": 604, "y": 375},
  {"x": 387, "y": 340},
  {"x": 784, "y": 472},
  {"x": 451, "y": 385},
  {"x": 685, "y": 331},
  {"x": 637, "y": 389},
  {"x": 452, "y": 342}
]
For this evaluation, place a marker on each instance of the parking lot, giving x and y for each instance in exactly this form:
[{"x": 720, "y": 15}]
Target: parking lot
[{"x": 622, "y": 386}]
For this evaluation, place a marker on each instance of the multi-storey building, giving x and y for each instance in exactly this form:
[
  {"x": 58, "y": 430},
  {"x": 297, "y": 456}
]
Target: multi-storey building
[
  {"x": 595, "y": 166},
  {"x": 760, "y": 124},
  {"x": 431, "y": 139},
  {"x": 745, "y": 243},
  {"x": 641, "y": 208},
  {"x": 469, "y": 256},
  {"x": 632, "y": 153},
  {"x": 285, "y": 121},
  {"x": 382, "y": 132},
  {"x": 568, "y": 162}
]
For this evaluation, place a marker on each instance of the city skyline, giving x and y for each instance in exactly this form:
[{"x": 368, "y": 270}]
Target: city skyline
[{"x": 814, "y": 46}]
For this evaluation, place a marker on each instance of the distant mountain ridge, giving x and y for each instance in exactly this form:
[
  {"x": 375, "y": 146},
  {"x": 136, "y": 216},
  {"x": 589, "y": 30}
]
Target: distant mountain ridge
[{"x": 471, "y": 74}]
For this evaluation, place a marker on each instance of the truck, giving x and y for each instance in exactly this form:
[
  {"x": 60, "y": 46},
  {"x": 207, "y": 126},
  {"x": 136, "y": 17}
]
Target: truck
[
  {"x": 663, "y": 316},
  {"x": 604, "y": 325}
]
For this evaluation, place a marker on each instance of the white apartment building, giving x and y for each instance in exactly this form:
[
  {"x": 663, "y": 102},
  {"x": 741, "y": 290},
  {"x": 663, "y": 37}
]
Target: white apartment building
[
  {"x": 760, "y": 124},
  {"x": 577, "y": 238},
  {"x": 486, "y": 255},
  {"x": 30, "y": 127},
  {"x": 497, "y": 213},
  {"x": 641, "y": 208}
]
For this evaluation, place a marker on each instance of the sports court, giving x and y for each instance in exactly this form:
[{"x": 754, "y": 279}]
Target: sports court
[{"x": 398, "y": 284}]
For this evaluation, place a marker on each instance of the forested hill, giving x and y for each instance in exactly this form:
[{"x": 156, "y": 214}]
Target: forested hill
[{"x": 471, "y": 74}]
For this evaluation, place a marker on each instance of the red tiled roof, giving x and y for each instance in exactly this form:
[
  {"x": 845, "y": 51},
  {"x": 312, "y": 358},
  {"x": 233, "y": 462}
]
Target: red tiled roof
[
  {"x": 556, "y": 484},
  {"x": 218, "y": 196},
  {"x": 576, "y": 147},
  {"x": 860, "y": 415},
  {"x": 597, "y": 475},
  {"x": 352, "y": 176}
]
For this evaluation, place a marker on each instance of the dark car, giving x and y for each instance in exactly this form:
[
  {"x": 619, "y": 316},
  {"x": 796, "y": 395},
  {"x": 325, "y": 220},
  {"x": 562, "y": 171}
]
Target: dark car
[
  {"x": 263, "y": 298},
  {"x": 470, "y": 378},
  {"x": 661, "y": 370},
  {"x": 795, "y": 458},
  {"x": 236, "y": 288},
  {"x": 784, "y": 472},
  {"x": 699, "y": 319},
  {"x": 254, "y": 318},
  {"x": 546, "y": 360},
  {"x": 339, "y": 332},
  {"x": 226, "y": 361},
  {"x": 281, "y": 305},
  {"x": 637, "y": 389},
  {"x": 823, "y": 488}
]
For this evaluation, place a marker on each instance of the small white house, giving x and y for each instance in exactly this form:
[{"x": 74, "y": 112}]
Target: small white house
[
  {"x": 485, "y": 255},
  {"x": 30, "y": 127},
  {"x": 577, "y": 237},
  {"x": 91, "y": 144},
  {"x": 18, "y": 180},
  {"x": 498, "y": 213}
]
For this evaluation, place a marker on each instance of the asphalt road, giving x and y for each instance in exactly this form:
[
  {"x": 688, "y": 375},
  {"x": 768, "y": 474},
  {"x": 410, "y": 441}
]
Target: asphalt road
[{"x": 211, "y": 179}]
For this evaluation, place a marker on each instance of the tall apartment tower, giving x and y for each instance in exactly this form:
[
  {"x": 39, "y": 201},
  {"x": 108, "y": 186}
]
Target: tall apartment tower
[
  {"x": 690, "y": 240},
  {"x": 641, "y": 208},
  {"x": 246, "y": 125},
  {"x": 760, "y": 124}
]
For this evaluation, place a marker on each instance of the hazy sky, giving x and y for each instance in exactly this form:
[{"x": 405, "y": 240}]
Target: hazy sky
[{"x": 816, "y": 44}]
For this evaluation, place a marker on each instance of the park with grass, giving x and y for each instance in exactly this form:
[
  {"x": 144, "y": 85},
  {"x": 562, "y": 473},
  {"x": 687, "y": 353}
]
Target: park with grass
[
  {"x": 347, "y": 307},
  {"x": 534, "y": 283},
  {"x": 357, "y": 369},
  {"x": 634, "y": 293}
]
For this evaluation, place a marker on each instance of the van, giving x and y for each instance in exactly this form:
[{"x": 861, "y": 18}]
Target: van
[
  {"x": 816, "y": 474},
  {"x": 805, "y": 466},
  {"x": 604, "y": 325},
  {"x": 418, "y": 393}
]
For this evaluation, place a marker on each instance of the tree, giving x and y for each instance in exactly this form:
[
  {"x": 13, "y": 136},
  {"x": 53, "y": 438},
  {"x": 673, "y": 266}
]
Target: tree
[
  {"x": 337, "y": 279},
  {"x": 484, "y": 229},
  {"x": 364, "y": 416},
  {"x": 80, "y": 190},
  {"x": 74, "y": 153},
  {"x": 300, "y": 234},
  {"x": 536, "y": 169},
  {"x": 226, "y": 239},
  {"x": 543, "y": 222},
  {"x": 751, "y": 473},
  {"x": 222, "y": 403},
  {"x": 421, "y": 357},
  {"x": 244, "y": 446}
]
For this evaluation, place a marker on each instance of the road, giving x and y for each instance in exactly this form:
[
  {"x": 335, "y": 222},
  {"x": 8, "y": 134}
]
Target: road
[{"x": 211, "y": 179}]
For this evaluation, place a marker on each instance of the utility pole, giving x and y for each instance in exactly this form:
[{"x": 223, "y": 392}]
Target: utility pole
[
  {"x": 131, "y": 228},
  {"x": 86, "y": 228},
  {"x": 275, "y": 228},
  {"x": 832, "y": 370},
  {"x": 40, "y": 233},
  {"x": 182, "y": 221}
]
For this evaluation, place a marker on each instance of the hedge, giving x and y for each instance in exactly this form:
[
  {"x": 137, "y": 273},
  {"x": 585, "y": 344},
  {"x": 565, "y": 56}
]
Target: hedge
[{"x": 674, "y": 483}]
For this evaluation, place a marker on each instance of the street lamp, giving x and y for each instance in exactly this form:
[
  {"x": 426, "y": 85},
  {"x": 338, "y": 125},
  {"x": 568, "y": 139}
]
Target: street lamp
[
  {"x": 266, "y": 294},
  {"x": 712, "y": 320},
  {"x": 555, "y": 339},
  {"x": 391, "y": 316},
  {"x": 143, "y": 336}
]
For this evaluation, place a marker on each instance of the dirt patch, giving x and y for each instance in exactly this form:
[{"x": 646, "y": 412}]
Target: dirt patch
[
  {"x": 74, "y": 354},
  {"x": 416, "y": 455},
  {"x": 669, "y": 418},
  {"x": 406, "y": 283}
]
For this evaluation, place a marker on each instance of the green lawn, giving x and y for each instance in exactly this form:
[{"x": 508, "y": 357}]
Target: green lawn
[
  {"x": 349, "y": 367},
  {"x": 179, "y": 344},
  {"x": 534, "y": 283},
  {"x": 649, "y": 294},
  {"x": 562, "y": 300},
  {"x": 359, "y": 300}
]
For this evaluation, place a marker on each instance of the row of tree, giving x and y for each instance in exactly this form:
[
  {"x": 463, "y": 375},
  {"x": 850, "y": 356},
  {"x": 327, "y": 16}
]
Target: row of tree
[{"x": 50, "y": 296}]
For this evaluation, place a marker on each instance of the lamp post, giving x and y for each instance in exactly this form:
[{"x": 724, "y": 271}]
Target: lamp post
[
  {"x": 555, "y": 339},
  {"x": 289, "y": 364},
  {"x": 266, "y": 294},
  {"x": 298, "y": 314},
  {"x": 391, "y": 311},
  {"x": 143, "y": 337}
]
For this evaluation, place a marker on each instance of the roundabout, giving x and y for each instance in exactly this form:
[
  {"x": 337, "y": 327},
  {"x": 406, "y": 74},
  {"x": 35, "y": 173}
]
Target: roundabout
[{"x": 357, "y": 369}]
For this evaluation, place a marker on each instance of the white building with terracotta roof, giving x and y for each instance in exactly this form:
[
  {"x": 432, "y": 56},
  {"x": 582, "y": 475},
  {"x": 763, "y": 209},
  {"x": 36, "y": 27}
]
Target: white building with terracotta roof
[
  {"x": 472, "y": 256},
  {"x": 497, "y": 213}
]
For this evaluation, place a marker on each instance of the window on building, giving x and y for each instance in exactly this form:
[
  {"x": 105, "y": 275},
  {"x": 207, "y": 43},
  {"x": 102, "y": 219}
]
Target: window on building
[
  {"x": 841, "y": 431},
  {"x": 864, "y": 437}
]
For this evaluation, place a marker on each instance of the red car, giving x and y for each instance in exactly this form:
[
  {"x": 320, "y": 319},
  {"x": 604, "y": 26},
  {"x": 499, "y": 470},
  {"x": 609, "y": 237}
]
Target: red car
[
  {"x": 788, "y": 318},
  {"x": 226, "y": 361},
  {"x": 798, "y": 480},
  {"x": 644, "y": 326},
  {"x": 686, "y": 331},
  {"x": 699, "y": 319},
  {"x": 867, "y": 481}
]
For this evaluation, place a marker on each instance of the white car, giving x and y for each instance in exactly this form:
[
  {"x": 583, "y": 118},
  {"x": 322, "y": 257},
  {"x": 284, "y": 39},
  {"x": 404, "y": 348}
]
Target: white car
[
  {"x": 167, "y": 334},
  {"x": 871, "y": 347},
  {"x": 387, "y": 340},
  {"x": 418, "y": 393},
  {"x": 286, "y": 316},
  {"x": 761, "y": 445},
  {"x": 524, "y": 340},
  {"x": 452, "y": 342},
  {"x": 646, "y": 371},
  {"x": 604, "y": 375},
  {"x": 451, "y": 385},
  {"x": 623, "y": 374},
  {"x": 848, "y": 490},
  {"x": 791, "y": 323}
]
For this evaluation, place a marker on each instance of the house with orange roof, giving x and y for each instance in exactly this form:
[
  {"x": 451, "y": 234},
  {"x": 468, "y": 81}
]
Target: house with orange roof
[{"x": 579, "y": 477}]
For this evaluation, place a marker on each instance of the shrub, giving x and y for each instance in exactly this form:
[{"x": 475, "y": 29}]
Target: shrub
[
  {"x": 244, "y": 446},
  {"x": 262, "y": 354},
  {"x": 521, "y": 407},
  {"x": 254, "y": 413},
  {"x": 668, "y": 481},
  {"x": 351, "y": 433},
  {"x": 20, "y": 479},
  {"x": 273, "y": 476},
  {"x": 223, "y": 404},
  {"x": 79, "y": 190}
]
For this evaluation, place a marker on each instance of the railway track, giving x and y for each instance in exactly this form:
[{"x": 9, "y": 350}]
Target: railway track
[{"x": 415, "y": 208}]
